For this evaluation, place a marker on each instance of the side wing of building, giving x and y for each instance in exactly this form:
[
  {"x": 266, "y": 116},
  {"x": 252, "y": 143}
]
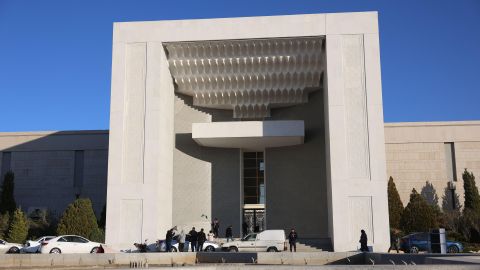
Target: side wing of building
[
  {"x": 437, "y": 152},
  {"x": 53, "y": 168}
]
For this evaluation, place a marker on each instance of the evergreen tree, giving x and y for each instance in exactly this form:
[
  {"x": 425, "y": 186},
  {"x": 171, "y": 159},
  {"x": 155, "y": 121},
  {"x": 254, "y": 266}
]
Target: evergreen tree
[
  {"x": 430, "y": 194},
  {"x": 7, "y": 200},
  {"x": 472, "y": 198},
  {"x": 4, "y": 222},
  {"x": 78, "y": 219},
  {"x": 103, "y": 217},
  {"x": 450, "y": 199},
  {"x": 395, "y": 206},
  {"x": 418, "y": 216},
  {"x": 18, "y": 229}
]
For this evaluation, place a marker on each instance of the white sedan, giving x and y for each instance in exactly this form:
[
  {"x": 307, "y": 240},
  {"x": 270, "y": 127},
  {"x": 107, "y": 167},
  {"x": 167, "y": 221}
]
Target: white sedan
[
  {"x": 6, "y": 247},
  {"x": 69, "y": 244},
  {"x": 33, "y": 246}
]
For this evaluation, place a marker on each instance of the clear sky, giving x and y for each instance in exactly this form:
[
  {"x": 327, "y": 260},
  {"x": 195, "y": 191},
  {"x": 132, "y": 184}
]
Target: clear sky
[{"x": 55, "y": 56}]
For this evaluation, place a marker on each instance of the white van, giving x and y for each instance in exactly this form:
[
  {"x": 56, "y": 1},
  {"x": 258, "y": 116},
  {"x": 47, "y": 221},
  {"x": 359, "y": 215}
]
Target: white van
[{"x": 269, "y": 240}]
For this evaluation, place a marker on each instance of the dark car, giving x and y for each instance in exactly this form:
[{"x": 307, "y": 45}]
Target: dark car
[{"x": 415, "y": 242}]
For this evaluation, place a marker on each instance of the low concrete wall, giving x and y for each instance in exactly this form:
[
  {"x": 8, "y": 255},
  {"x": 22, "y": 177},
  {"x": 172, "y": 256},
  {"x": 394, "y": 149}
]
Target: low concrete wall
[
  {"x": 74, "y": 260},
  {"x": 426, "y": 258}
]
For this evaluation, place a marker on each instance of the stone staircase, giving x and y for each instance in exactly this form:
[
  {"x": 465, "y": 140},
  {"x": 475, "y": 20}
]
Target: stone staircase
[{"x": 313, "y": 245}]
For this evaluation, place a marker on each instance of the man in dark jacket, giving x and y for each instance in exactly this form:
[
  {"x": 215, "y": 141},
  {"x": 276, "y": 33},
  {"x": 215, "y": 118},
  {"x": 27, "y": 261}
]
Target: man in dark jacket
[
  {"x": 168, "y": 240},
  {"x": 201, "y": 238},
  {"x": 363, "y": 241},
  {"x": 229, "y": 233},
  {"x": 215, "y": 227},
  {"x": 193, "y": 236},
  {"x": 292, "y": 240}
]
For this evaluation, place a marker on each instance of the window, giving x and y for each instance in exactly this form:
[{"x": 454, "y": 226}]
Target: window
[
  {"x": 251, "y": 237},
  {"x": 253, "y": 178}
]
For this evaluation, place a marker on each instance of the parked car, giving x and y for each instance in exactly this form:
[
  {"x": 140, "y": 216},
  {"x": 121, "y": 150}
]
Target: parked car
[
  {"x": 416, "y": 242},
  {"x": 268, "y": 240},
  {"x": 208, "y": 246},
  {"x": 69, "y": 244},
  {"x": 33, "y": 246},
  {"x": 6, "y": 247}
]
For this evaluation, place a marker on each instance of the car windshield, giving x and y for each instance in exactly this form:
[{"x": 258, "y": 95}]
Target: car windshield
[
  {"x": 250, "y": 237},
  {"x": 2, "y": 242}
]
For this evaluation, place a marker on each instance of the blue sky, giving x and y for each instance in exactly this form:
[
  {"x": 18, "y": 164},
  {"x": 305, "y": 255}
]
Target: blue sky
[{"x": 55, "y": 56}]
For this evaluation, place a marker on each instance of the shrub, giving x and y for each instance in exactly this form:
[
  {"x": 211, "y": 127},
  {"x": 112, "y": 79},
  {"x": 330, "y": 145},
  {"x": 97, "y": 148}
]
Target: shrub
[
  {"x": 78, "y": 219},
  {"x": 395, "y": 206},
  {"x": 418, "y": 216},
  {"x": 18, "y": 229},
  {"x": 7, "y": 200}
]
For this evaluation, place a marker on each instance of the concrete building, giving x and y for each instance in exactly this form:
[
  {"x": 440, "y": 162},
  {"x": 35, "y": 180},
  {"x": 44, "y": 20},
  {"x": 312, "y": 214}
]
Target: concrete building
[
  {"x": 271, "y": 127},
  {"x": 278, "y": 127}
]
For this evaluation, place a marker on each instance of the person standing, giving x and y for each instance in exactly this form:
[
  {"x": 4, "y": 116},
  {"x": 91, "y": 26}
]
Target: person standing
[
  {"x": 201, "y": 239},
  {"x": 168, "y": 240},
  {"x": 292, "y": 240},
  {"x": 245, "y": 228},
  {"x": 181, "y": 241},
  {"x": 363, "y": 241},
  {"x": 193, "y": 236},
  {"x": 229, "y": 233},
  {"x": 215, "y": 227}
]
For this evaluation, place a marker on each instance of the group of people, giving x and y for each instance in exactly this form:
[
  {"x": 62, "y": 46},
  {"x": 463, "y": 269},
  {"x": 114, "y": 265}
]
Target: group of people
[{"x": 195, "y": 238}]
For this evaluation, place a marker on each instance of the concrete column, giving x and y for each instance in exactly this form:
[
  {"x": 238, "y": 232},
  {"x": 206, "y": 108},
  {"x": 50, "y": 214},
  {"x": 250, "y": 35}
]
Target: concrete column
[
  {"x": 140, "y": 173},
  {"x": 356, "y": 169}
]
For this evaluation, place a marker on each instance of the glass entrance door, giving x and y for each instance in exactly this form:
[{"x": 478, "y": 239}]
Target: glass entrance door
[{"x": 253, "y": 192}]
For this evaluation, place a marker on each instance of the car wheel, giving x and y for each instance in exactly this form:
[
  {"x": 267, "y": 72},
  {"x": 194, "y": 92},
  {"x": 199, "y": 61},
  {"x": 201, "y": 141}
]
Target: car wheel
[
  {"x": 173, "y": 249},
  {"x": 233, "y": 249},
  {"x": 55, "y": 251},
  {"x": 272, "y": 249},
  {"x": 14, "y": 250},
  {"x": 94, "y": 250},
  {"x": 413, "y": 249},
  {"x": 452, "y": 249},
  {"x": 209, "y": 249}
]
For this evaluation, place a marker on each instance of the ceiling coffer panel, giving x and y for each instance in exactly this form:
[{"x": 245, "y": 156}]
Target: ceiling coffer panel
[{"x": 247, "y": 76}]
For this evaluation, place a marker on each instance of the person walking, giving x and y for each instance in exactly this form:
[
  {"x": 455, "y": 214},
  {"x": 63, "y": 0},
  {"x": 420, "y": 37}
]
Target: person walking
[
  {"x": 394, "y": 240},
  {"x": 363, "y": 241},
  {"x": 215, "y": 227},
  {"x": 210, "y": 236},
  {"x": 181, "y": 241},
  {"x": 193, "y": 236},
  {"x": 168, "y": 240},
  {"x": 229, "y": 233},
  {"x": 292, "y": 240},
  {"x": 201, "y": 238}
]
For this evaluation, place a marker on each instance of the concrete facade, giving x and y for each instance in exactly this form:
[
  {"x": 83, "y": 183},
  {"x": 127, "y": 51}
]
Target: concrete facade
[{"x": 157, "y": 175}]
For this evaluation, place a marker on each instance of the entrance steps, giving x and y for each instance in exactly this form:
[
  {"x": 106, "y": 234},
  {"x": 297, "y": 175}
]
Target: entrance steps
[{"x": 313, "y": 245}]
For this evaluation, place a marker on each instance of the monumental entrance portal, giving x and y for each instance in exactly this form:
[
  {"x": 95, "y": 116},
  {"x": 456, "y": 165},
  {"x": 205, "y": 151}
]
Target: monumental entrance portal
[{"x": 269, "y": 122}]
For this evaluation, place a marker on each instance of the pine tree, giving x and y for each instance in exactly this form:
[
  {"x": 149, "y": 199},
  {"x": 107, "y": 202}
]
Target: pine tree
[
  {"x": 418, "y": 216},
  {"x": 449, "y": 200},
  {"x": 18, "y": 229},
  {"x": 78, "y": 219},
  {"x": 4, "y": 222},
  {"x": 7, "y": 200},
  {"x": 395, "y": 206},
  {"x": 472, "y": 198}
]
